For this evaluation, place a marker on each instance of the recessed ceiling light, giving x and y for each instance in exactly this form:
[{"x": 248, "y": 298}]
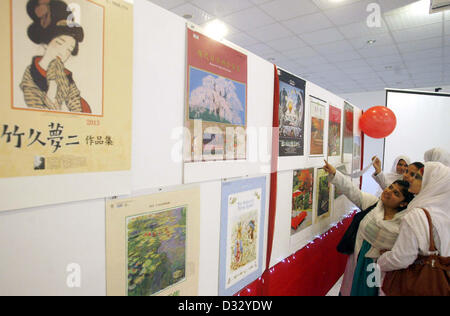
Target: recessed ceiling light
[
  {"x": 187, "y": 16},
  {"x": 216, "y": 29},
  {"x": 372, "y": 41}
]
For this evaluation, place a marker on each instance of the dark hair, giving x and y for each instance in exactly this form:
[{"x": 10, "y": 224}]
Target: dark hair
[
  {"x": 404, "y": 186},
  {"x": 418, "y": 165},
  {"x": 50, "y": 21}
]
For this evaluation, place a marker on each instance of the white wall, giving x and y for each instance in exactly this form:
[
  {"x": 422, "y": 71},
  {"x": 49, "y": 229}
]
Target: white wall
[{"x": 37, "y": 244}]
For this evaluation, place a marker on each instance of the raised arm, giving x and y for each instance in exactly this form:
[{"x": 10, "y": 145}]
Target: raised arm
[{"x": 361, "y": 199}]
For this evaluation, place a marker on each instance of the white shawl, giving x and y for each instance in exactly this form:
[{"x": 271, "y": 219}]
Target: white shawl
[
  {"x": 437, "y": 154},
  {"x": 435, "y": 197}
]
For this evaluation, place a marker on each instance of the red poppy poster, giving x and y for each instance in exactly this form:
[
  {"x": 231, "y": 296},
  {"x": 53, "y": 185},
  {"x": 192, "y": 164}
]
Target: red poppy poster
[
  {"x": 216, "y": 100},
  {"x": 302, "y": 199}
]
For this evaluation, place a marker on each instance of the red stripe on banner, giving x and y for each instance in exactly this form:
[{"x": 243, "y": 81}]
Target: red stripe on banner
[{"x": 273, "y": 175}]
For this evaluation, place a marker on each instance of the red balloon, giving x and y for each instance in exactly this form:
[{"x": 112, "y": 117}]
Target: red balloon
[{"x": 378, "y": 122}]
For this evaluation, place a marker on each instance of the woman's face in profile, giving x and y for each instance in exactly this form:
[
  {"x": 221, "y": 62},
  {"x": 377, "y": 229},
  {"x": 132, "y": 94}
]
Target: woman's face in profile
[{"x": 61, "y": 47}]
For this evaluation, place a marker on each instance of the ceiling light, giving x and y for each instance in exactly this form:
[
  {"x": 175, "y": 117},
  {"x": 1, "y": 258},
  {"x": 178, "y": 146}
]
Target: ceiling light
[
  {"x": 216, "y": 29},
  {"x": 421, "y": 7},
  {"x": 187, "y": 16},
  {"x": 372, "y": 41}
]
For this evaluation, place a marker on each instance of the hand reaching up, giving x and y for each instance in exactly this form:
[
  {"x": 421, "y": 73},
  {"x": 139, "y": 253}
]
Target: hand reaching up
[{"x": 329, "y": 168}]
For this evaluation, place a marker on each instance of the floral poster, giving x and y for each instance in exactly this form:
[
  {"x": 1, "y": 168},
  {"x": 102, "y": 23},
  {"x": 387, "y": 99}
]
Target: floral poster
[
  {"x": 242, "y": 233},
  {"x": 152, "y": 244},
  {"x": 323, "y": 194},
  {"x": 302, "y": 199},
  {"x": 216, "y": 99}
]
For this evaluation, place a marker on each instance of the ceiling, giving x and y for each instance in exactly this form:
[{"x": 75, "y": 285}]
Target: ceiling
[{"x": 326, "y": 42}]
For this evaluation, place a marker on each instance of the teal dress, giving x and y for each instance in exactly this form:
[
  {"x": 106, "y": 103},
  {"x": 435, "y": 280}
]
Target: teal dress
[{"x": 360, "y": 286}]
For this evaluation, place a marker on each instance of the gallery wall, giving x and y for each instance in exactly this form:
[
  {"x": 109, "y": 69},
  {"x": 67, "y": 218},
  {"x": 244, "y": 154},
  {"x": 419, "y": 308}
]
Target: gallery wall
[{"x": 41, "y": 246}]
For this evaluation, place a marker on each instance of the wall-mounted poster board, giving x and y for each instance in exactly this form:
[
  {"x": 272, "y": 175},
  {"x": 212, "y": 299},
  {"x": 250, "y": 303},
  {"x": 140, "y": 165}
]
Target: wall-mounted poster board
[
  {"x": 241, "y": 233},
  {"x": 317, "y": 126},
  {"x": 152, "y": 244},
  {"x": 291, "y": 114},
  {"x": 334, "y": 131},
  {"x": 216, "y": 100},
  {"x": 66, "y": 99},
  {"x": 347, "y": 141}
]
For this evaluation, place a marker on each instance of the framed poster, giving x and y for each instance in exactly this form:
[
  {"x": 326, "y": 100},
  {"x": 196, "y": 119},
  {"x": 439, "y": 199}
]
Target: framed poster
[
  {"x": 66, "y": 88},
  {"x": 291, "y": 114},
  {"x": 241, "y": 233},
  {"x": 323, "y": 204},
  {"x": 216, "y": 100},
  {"x": 356, "y": 161},
  {"x": 302, "y": 199},
  {"x": 334, "y": 131},
  {"x": 348, "y": 129},
  {"x": 152, "y": 244},
  {"x": 317, "y": 133}
]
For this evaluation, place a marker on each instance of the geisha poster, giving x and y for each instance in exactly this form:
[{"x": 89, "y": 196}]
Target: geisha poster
[
  {"x": 242, "y": 233},
  {"x": 66, "y": 87},
  {"x": 302, "y": 199},
  {"x": 348, "y": 129},
  {"x": 334, "y": 131},
  {"x": 291, "y": 114},
  {"x": 317, "y": 114},
  {"x": 152, "y": 244},
  {"x": 216, "y": 99}
]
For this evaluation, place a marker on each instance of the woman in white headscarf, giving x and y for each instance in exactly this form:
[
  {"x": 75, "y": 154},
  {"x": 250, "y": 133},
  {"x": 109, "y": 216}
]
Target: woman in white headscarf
[
  {"x": 438, "y": 154},
  {"x": 399, "y": 167},
  {"x": 432, "y": 186}
]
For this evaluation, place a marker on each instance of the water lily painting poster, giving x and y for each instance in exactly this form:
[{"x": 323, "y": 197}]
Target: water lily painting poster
[
  {"x": 216, "y": 99},
  {"x": 152, "y": 244},
  {"x": 242, "y": 233}
]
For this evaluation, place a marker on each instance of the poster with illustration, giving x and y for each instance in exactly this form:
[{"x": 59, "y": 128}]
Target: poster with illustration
[
  {"x": 216, "y": 97},
  {"x": 356, "y": 161},
  {"x": 291, "y": 113},
  {"x": 323, "y": 194},
  {"x": 318, "y": 115},
  {"x": 62, "y": 111},
  {"x": 152, "y": 244},
  {"x": 334, "y": 131},
  {"x": 156, "y": 244},
  {"x": 348, "y": 129},
  {"x": 241, "y": 233},
  {"x": 302, "y": 199}
]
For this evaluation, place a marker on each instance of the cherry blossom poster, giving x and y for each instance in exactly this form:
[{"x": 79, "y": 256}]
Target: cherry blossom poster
[
  {"x": 241, "y": 233},
  {"x": 216, "y": 100}
]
